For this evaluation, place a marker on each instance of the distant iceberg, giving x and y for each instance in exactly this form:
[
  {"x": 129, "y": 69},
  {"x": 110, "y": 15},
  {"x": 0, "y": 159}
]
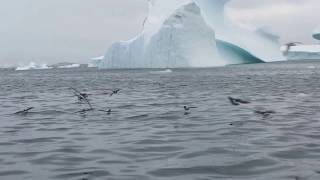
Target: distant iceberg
[
  {"x": 191, "y": 33},
  {"x": 32, "y": 66}
]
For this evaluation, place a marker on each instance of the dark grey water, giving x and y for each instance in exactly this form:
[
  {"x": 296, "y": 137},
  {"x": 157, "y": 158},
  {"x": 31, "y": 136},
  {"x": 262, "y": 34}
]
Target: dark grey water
[{"x": 148, "y": 136}]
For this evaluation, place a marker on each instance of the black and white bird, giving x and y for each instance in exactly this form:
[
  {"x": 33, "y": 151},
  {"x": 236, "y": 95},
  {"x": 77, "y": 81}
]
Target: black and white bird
[
  {"x": 237, "y": 102},
  {"x": 82, "y": 97},
  {"x": 114, "y": 91},
  {"x": 186, "y": 108}
]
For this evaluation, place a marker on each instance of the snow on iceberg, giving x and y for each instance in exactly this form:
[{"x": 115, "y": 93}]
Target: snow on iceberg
[
  {"x": 32, "y": 66},
  {"x": 191, "y": 33}
]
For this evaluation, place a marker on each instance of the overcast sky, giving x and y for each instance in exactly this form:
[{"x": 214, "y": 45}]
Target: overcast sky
[{"x": 50, "y": 31}]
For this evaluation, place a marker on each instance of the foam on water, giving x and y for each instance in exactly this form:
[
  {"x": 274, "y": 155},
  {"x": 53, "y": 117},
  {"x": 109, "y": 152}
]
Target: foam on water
[{"x": 162, "y": 72}]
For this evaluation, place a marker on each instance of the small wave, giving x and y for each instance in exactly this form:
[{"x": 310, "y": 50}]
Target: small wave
[
  {"x": 302, "y": 95},
  {"x": 32, "y": 66},
  {"x": 311, "y": 67},
  {"x": 162, "y": 72}
]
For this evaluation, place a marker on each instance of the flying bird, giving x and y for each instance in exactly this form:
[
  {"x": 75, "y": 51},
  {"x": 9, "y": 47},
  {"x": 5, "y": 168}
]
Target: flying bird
[
  {"x": 82, "y": 96},
  {"x": 186, "y": 108},
  {"x": 114, "y": 91},
  {"x": 289, "y": 45},
  {"x": 24, "y": 112},
  {"x": 237, "y": 102}
]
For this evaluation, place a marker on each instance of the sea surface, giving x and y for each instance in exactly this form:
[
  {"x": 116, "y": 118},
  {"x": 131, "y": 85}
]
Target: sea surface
[{"x": 149, "y": 136}]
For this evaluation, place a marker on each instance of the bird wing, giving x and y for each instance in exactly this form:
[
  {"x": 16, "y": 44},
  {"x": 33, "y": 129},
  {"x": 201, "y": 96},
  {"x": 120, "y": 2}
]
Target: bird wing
[
  {"x": 88, "y": 102},
  {"x": 75, "y": 90},
  {"x": 233, "y": 102},
  {"x": 243, "y": 101},
  {"x": 84, "y": 110},
  {"x": 24, "y": 111},
  {"x": 78, "y": 95}
]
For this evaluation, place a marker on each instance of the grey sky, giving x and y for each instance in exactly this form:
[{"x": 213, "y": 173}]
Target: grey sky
[{"x": 50, "y": 31}]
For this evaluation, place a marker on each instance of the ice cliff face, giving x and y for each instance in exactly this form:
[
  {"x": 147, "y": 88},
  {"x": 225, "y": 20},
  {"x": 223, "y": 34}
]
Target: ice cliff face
[
  {"x": 260, "y": 43},
  {"x": 191, "y": 33},
  {"x": 182, "y": 40}
]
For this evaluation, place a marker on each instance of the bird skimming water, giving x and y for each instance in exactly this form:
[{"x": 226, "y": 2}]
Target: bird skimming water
[
  {"x": 237, "y": 102},
  {"x": 82, "y": 97},
  {"x": 24, "y": 112}
]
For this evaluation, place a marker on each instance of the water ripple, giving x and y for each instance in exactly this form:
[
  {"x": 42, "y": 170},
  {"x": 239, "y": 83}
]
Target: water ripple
[{"x": 148, "y": 135}]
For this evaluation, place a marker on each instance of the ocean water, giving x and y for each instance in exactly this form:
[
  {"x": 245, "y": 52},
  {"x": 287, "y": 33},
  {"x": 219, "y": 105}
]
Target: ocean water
[{"x": 148, "y": 135}]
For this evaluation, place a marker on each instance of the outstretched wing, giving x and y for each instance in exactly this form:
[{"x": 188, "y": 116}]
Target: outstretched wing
[
  {"x": 242, "y": 101},
  {"x": 75, "y": 90},
  {"x": 24, "y": 111}
]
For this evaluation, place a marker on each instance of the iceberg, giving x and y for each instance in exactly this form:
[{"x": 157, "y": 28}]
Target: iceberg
[
  {"x": 261, "y": 43},
  {"x": 32, "y": 66},
  {"x": 191, "y": 33}
]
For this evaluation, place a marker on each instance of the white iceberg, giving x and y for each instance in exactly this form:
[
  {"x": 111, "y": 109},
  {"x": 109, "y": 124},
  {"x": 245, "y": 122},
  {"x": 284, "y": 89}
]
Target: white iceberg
[
  {"x": 32, "y": 66},
  {"x": 191, "y": 33}
]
